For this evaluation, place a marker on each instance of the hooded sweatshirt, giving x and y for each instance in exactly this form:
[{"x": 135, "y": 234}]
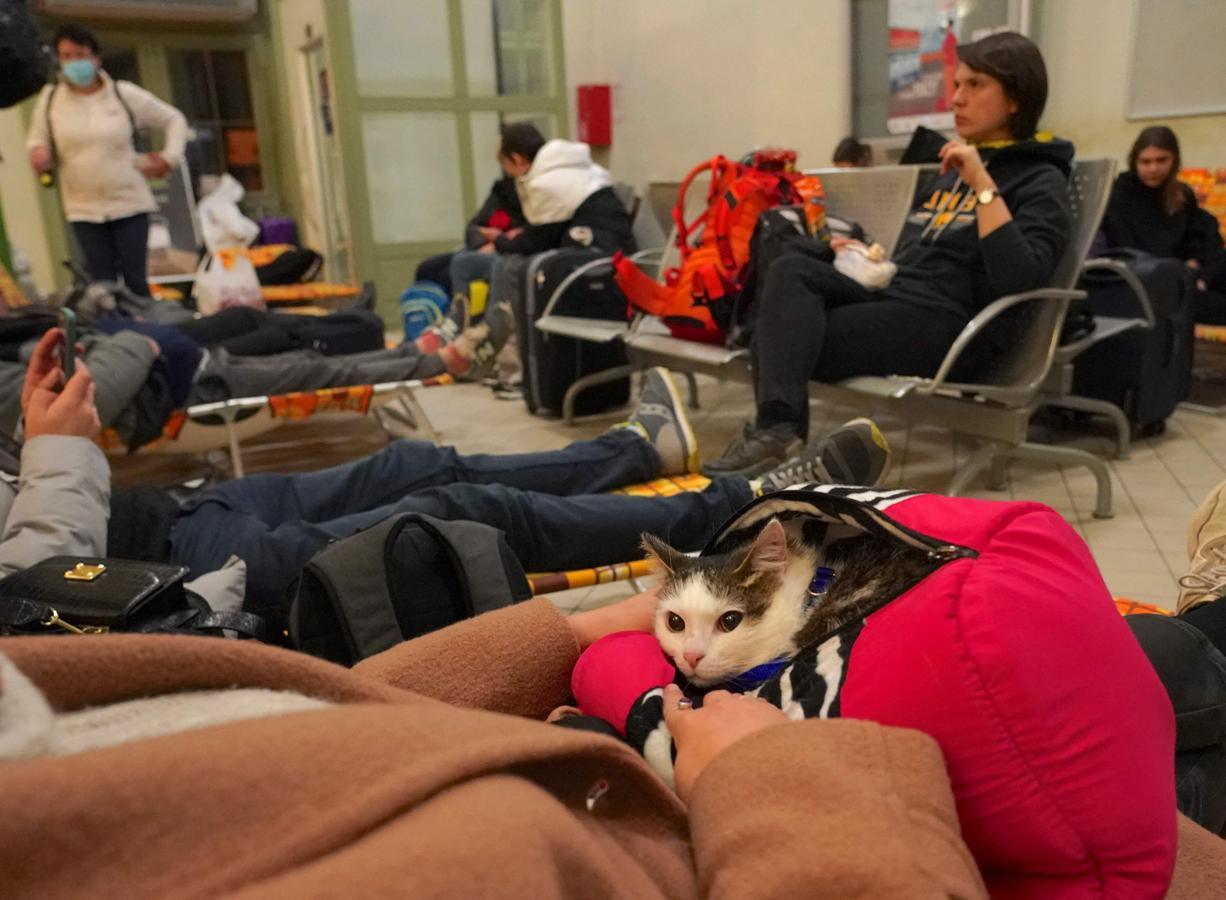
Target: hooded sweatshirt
[
  {"x": 569, "y": 201},
  {"x": 1136, "y": 217},
  {"x": 942, "y": 261}
]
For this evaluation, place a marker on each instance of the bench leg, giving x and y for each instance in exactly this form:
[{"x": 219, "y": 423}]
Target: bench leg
[
  {"x": 419, "y": 414},
  {"x": 236, "y": 450},
  {"x": 689, "y": 376},
  {"x": 998, "y": 475},
  {"x": 1119, "y": 421},
  {"x": 979, "y": 460},
  {"x": 587, "y": 381},
  {"x": 1069, "y": 456}
]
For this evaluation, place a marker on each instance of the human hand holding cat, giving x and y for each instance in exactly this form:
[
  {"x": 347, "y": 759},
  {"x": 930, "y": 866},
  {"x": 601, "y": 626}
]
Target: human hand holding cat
[{"x": 700, "y": 735}]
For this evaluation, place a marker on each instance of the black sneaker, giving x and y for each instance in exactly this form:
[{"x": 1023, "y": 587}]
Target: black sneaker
[
  {"x": 660, "y": 419},
  {"x": 857, "y": 454},
  {"x": 756, "y": 451}
]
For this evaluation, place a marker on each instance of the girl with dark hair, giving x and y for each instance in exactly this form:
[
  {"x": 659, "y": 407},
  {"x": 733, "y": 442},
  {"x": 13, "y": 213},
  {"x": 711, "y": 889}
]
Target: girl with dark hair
[
  {"x": 1152, "y": 210},
  {"x": 994, "y": 222},
  {"x": 84, "y": 129}
]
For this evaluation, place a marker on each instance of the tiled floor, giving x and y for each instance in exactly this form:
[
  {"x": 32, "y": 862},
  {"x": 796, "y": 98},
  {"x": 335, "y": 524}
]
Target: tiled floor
[{"x": 1141, "y": 551}]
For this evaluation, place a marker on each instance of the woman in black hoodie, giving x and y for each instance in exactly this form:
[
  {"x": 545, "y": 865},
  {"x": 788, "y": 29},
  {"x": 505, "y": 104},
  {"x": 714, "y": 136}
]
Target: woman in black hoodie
[
  {"x": 995, "y": 222},
  {"x": 1152, "y": 210}
]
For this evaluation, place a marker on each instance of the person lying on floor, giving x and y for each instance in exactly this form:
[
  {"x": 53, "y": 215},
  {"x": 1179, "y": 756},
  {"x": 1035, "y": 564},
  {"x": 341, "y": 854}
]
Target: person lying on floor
[
  {"x": 191, "y": 375},
  {"x": 551, "y": 505},
  {"x": 995, "y": 222}
]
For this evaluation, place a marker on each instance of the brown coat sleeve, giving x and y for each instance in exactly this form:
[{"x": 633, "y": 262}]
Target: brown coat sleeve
[
  {"x": 830, "y": 808},
  {"x": 515, "y": 660},
  {"x": 1200, "y": 863}
]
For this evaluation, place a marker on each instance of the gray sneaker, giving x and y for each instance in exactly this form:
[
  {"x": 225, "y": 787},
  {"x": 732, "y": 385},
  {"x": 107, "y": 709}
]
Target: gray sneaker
[
  {"x": 857, "y": 453},
  {"x": 660, "y": 419},
  {"x": 756, "y": 451}
]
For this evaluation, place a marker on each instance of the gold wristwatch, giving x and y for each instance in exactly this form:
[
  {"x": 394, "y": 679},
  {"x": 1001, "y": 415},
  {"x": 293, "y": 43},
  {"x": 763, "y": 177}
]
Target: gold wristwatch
[{"x": 987, "y": 196}]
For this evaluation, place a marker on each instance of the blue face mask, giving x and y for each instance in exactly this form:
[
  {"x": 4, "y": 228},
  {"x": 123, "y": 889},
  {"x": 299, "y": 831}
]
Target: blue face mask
[{"x": 80, "y": 72}]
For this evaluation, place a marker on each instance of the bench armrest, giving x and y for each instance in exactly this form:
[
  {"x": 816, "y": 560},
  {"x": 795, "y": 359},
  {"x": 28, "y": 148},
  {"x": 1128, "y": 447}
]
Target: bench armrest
[
  {"x": 982, "y": 319},
  {"x": 654, "y": 255},
  {"x": 1129, "y": 277}
]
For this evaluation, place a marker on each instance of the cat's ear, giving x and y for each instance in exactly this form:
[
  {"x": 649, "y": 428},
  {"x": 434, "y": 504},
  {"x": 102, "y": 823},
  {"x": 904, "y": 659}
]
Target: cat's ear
[
  {"x": 670, "y": 560},
  {"x": 769, "y": 551}
]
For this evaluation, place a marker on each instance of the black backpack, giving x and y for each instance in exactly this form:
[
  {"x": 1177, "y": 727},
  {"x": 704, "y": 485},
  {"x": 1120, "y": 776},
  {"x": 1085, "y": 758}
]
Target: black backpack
[
  {"x": 405, "y": 576},
  {"x": 23, "y": 59}
]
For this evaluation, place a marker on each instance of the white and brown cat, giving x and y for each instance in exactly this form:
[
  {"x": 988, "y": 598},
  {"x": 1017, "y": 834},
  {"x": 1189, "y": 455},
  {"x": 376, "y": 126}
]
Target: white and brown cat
[{"x": 721, "y": 616}]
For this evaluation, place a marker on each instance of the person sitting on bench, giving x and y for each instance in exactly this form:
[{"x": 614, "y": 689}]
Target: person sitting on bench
[
  {"x": 995, "y": 222},
  {"x": 1150, "y": 209}
]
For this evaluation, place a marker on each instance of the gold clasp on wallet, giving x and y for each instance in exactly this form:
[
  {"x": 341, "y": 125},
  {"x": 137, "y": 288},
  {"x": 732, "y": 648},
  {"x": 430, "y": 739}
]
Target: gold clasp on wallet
[
  {"x": 84, "y": 572},
  {"x": 53, "y": 618}
]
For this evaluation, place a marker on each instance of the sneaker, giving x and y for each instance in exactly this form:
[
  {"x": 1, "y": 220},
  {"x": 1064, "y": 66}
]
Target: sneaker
[
  {"x": 473, "y": 355},
  {"x": 1206, "y": 578},
  {"x": 857, "y": 453},
  {"x": 756, "y": 451},
  {"x": 661, "y": 421}
]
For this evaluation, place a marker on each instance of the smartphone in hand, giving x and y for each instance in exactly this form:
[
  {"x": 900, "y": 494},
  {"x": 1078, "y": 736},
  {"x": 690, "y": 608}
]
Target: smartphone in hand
[{"x": 68, "y": 353}]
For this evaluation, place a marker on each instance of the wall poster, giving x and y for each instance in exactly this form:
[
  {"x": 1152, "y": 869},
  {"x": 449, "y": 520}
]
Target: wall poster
[{"x": 923, "y": 54}]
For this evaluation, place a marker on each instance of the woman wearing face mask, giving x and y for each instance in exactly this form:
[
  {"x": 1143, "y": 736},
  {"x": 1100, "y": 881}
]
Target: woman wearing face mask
[
  {"x": 994, "y": 222},
  {"x": 1152, "y": 210},
  {"x": 83, "y": 129}
]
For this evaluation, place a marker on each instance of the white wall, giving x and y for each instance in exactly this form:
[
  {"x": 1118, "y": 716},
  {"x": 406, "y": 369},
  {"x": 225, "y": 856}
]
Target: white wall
[
  {"x": 19, "y": 198},
  {"x": 1088, "y": 48},
  {"x": 692, "y": 78}
]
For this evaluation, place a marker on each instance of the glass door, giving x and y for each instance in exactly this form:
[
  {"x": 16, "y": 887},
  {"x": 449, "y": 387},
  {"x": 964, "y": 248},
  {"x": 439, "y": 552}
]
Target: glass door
[{"x": 424, "y": 96}]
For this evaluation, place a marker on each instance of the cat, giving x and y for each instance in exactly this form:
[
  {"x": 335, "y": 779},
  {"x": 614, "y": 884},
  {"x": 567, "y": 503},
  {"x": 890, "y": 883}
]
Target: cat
[{"x": 720, "y": 616}]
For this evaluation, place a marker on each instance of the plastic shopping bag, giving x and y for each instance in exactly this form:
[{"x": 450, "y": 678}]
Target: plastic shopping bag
[{"x": 226, "y": 279}]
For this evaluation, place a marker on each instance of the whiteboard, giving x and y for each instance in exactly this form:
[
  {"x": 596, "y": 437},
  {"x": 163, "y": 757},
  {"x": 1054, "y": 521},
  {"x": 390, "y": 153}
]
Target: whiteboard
[{"x": 1178, "y": 59}]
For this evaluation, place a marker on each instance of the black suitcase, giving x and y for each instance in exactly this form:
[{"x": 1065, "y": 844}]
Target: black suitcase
[
  {"x": 1144, "y": 372},
  {"x": 336, "y": 334},
  {"x": 551, "y": 364}
]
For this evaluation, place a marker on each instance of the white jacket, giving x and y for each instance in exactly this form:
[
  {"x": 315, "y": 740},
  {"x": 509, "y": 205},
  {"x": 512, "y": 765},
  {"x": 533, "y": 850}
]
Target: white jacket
[
  {"x": 562, "y": 177},
  {"x": 98, "y": 178}
]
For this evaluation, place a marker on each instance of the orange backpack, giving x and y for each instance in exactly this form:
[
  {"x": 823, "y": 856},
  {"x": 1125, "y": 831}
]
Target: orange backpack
[{"x": 710, "y": 274}]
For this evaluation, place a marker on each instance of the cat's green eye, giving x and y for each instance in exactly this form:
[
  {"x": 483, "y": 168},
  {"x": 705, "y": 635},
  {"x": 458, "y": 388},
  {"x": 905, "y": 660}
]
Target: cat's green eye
[
  {"x": 729, "y": 620},
  {"x": 675, "y": 622}
]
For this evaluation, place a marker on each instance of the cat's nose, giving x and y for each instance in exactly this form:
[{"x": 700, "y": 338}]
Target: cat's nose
[{"x": 693, "y": 657}]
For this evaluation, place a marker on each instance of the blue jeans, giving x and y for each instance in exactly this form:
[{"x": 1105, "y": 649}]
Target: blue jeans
[
  {"x": 549, "y": 505},
  {"x": 468, "y": 266},
  {"x": 116, "y": 248}
]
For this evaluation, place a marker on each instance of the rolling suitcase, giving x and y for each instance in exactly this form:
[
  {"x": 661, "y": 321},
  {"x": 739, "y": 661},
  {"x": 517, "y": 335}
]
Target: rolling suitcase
[
  {"x": 1145, "y": 372},
  {"x": 551, "y": 364}
]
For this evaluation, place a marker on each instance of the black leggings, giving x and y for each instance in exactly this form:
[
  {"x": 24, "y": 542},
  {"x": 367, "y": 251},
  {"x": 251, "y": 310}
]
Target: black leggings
[
  {"x": 815, "y": 323},
  {"x": 116, "y": 248}
]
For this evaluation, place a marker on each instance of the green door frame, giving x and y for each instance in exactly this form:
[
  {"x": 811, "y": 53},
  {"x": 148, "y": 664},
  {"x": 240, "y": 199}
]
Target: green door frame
[{"x": 350, "y": 107}]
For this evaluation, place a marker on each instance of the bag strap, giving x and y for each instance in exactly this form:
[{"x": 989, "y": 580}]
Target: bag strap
[
  {"x": 55, "y": 153},
  {"x": 365, "y": 612}
]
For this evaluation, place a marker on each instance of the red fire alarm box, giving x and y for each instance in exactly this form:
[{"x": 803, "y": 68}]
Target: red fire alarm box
[{"x": 594, "y": 108}]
